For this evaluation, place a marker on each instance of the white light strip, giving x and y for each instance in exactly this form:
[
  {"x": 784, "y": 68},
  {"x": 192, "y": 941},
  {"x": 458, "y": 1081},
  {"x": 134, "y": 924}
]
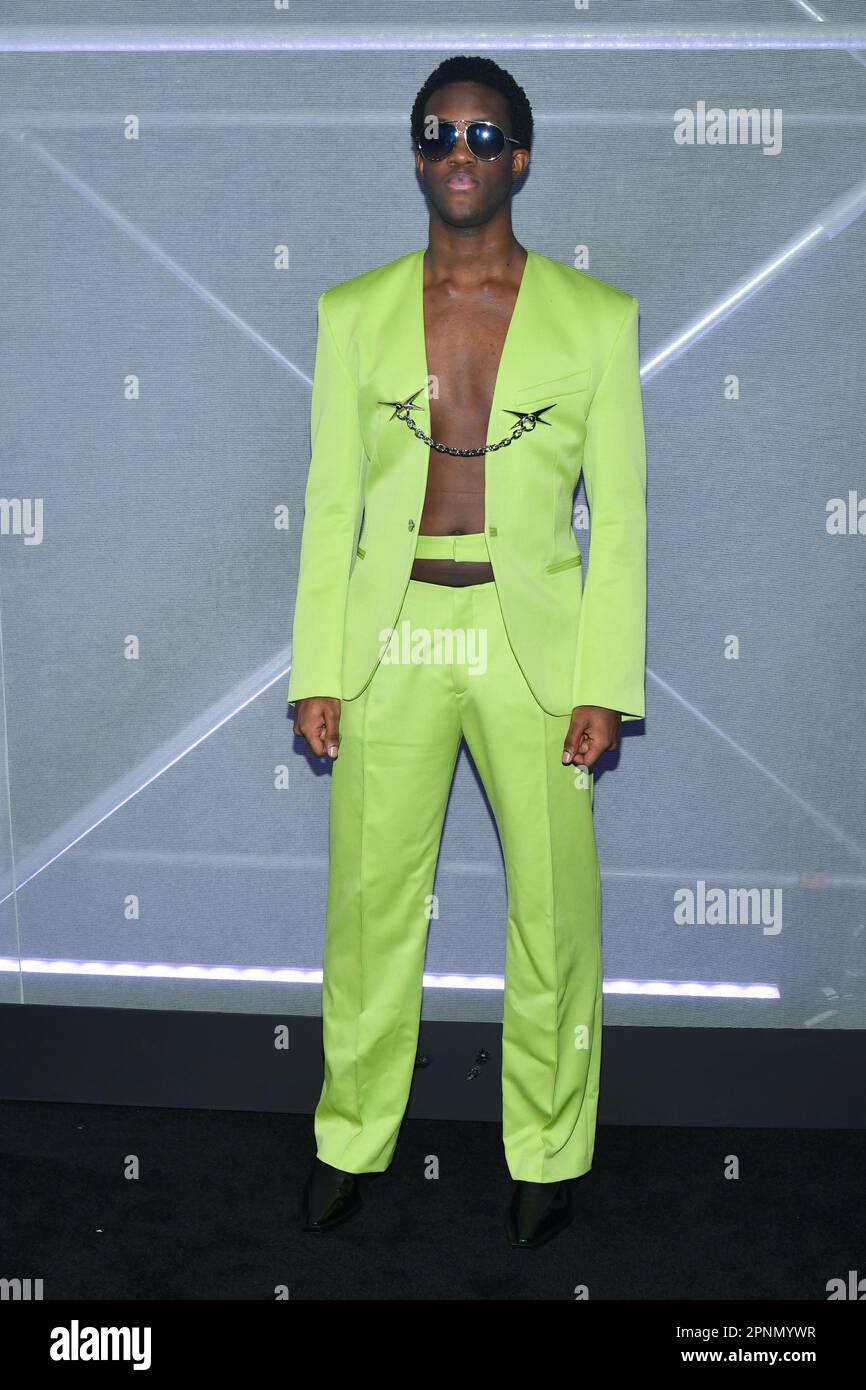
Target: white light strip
[
  {"x": 418, "y": 38},
  {"x": 270, "y": 975},
  {"x": 693, "y": 989},
  {"x": 26, "y": 120}
]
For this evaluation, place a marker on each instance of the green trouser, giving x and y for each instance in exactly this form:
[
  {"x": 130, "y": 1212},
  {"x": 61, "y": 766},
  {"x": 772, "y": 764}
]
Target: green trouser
[{"x": 398, "y": 747}]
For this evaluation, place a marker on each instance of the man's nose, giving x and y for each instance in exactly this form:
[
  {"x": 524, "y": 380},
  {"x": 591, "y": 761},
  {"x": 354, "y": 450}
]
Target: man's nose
[{"x": 461, "y": 151}]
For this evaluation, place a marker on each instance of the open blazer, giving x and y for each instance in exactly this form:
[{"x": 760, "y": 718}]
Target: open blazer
[{"x": 572, "y": 344}]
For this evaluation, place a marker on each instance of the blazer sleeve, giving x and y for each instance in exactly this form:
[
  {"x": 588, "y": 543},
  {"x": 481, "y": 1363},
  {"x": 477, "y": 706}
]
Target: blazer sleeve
[
  {"x": 331, "y": 508},
  {"x": 611, "y": 643}
]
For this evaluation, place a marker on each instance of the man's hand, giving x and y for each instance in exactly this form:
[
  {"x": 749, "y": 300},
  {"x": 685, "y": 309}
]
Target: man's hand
[
  {"x": 318, "y": 719},
  {"x": 592, "y": 732}
]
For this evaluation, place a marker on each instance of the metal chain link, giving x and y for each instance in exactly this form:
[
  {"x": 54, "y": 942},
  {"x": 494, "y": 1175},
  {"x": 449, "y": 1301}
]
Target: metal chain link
[{"x": 523, "y": 425}]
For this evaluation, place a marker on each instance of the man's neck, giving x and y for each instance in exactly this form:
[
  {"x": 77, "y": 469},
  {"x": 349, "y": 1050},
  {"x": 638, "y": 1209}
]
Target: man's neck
[{"x": 470, "y": 256}]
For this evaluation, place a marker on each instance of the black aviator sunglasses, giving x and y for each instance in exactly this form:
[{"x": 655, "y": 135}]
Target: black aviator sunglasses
[{"x": 483, "y": 139}]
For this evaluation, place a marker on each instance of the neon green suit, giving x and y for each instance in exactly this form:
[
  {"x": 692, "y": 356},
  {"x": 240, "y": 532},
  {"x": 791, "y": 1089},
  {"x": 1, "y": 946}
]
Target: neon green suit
[{"x": 551, "y": 643}]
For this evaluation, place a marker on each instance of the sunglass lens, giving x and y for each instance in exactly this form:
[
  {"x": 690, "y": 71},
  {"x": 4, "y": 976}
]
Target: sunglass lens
[
  {"x": 440, "y": 142},
  {"x": 485, "y": 141}
]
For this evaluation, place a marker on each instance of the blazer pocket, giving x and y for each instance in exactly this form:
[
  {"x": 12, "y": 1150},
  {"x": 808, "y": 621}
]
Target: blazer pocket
[
  {"x": 564, "y": 564},
  {"x": 554, "y": 386},
  {"x": 360, "y": 553}
]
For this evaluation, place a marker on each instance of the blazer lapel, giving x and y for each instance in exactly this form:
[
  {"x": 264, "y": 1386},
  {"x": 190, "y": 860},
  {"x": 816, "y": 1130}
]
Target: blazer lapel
[
  {"x": 402, "y": 361},
  {"x": 512, "y": 360},
  {"x": 398, "y": 363}
]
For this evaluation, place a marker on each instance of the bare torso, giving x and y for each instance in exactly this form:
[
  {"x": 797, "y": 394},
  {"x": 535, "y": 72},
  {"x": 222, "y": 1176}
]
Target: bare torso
[{"x": 464, "y": 334}]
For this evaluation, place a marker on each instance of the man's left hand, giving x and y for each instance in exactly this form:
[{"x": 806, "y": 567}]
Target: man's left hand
[{"x": 592, "y": 732}]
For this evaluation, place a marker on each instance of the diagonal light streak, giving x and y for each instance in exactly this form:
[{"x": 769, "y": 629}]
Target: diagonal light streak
[
  {"x": 161, "y": 256},
  {"x": 812, "y": 13},
  {"x": 90, "y": 817},
  {"x": 835, "y": 831},
  {"x": 830, "y": 222},
  {"x": 725, "y": 307}
]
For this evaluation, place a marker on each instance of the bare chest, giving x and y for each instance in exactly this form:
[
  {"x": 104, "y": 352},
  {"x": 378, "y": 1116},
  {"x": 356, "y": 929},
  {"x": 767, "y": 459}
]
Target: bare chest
[{"x": 464, "y": 341}]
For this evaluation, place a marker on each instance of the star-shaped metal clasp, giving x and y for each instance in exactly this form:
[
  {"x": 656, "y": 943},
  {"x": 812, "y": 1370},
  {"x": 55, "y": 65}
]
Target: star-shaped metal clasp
[
  {"x": 402, "y": 408},
  {"x": 530, "y": 418}
]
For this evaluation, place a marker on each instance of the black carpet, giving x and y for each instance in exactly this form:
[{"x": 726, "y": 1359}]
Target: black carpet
[{"x": 213, "y": 1212}]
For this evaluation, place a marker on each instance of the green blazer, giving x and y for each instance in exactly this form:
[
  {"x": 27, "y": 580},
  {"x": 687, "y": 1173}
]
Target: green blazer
[{"x": 572, "y": 341}]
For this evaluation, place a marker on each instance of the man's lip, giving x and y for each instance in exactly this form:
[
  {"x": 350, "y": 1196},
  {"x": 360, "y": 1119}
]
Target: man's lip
[{"x": 460, "y": 181}]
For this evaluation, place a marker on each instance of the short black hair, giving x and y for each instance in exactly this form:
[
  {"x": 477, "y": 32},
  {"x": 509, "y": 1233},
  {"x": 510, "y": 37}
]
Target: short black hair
[{"x": 490, "y": 74}]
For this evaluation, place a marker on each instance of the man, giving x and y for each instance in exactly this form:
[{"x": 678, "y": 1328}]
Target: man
[{"x": 458, "y": 391}]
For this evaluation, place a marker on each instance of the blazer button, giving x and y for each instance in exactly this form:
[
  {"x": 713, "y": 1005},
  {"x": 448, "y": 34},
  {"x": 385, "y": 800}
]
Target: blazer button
[{"x": 411, "y": 526}]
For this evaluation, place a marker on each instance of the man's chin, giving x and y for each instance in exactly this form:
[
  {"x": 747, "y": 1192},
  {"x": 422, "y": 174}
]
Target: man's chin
[{"x": 463, "y": 217}]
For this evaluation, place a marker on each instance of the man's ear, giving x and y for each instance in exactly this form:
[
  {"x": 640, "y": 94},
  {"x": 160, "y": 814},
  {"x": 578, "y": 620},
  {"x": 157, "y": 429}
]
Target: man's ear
[{"x": 519, "y": 164}]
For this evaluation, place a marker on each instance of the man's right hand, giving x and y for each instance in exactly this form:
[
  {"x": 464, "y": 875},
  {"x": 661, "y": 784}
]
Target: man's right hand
[{"x": 318, "y": 719}]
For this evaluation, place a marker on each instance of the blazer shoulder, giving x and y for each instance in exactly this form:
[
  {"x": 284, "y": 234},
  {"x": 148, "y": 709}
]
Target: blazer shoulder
[
  {"x": 596, "y": 294},
  {"x": 345, "y": 302}
]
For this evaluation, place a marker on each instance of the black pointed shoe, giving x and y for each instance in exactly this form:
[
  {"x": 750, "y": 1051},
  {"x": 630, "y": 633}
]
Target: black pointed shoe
[
  {"x": 330, "y": 1196},
  {"x": 538, "y": 1211}
]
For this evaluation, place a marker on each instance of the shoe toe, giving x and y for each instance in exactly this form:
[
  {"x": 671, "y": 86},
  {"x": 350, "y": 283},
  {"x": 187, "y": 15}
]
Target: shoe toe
[
  {"x": 535, "y": 1215},
  {"x": 329, "y": 1197}
]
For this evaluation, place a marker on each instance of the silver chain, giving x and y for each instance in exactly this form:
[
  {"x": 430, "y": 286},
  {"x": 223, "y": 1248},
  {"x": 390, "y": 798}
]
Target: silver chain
[{"x": 523, "y": 425}]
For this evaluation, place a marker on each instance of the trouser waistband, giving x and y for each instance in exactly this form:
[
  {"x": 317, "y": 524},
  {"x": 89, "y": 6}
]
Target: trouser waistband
[{"x": 464, "y": 547}]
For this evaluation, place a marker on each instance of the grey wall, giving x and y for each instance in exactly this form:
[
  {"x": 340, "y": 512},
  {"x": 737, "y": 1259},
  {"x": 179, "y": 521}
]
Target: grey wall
[{"x": 145, "y": 637}]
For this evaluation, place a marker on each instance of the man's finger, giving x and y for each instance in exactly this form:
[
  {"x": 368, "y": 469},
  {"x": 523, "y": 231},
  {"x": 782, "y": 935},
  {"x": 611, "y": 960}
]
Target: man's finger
[
  {"x": 331, "y": 741},
  {"x": 577, "y": 742},
  {"x": 589, "y": 758}
]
